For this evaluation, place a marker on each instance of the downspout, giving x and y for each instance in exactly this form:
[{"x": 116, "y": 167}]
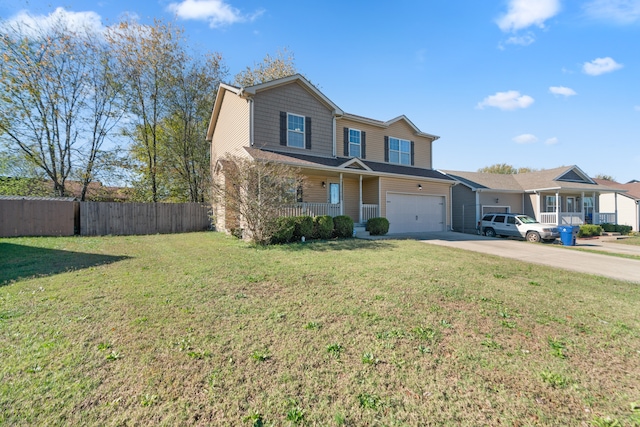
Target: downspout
[
  {"x": 334, "y": 125},
  {"x": 582, "y": 207},
  {"x": 615, "y": 200},
  {"x": 449, "y": 202}
]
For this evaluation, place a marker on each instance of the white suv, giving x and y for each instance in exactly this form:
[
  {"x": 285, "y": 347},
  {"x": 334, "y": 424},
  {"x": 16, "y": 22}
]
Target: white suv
[{"x": 518, "y": 225}]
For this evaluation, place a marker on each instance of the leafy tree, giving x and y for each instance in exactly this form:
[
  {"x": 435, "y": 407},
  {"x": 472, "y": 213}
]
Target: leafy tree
[
  {"x": 271, "y": 68},
  {"x": 255, "y": 191},
  {"x": 503, "y": 168},
  {"x": 184, "y": 152},
  {"x": 603, "y": 176},
  {"x": 148, "y": 58},
  {"x": 59, "y": 99}
]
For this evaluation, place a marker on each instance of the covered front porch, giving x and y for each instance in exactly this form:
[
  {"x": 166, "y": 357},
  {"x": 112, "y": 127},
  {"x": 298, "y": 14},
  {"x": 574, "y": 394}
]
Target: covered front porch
[
  {"x": 334, "y": 194},
  {"x": 571, "y": 208}
]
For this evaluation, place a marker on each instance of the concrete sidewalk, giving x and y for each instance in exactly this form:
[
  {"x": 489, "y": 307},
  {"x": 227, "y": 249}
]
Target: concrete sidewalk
[{"x": 552, "y": 255}]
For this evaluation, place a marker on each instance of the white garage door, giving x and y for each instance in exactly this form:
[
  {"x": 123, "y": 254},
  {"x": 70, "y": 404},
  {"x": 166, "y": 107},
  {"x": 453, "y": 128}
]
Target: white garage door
[{"x": 408, "y": 213}]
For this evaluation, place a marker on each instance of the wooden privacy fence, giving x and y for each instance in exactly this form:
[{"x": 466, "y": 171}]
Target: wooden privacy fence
[
  {"x": 51, "y": 217},
  {"x": 100, "y": 218},
  {"x": 44, "y": 217}
]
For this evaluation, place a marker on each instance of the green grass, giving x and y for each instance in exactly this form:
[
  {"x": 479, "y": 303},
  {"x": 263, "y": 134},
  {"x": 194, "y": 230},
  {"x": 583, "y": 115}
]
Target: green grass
[
  {"x": 629, "y": 241},
  {"x": 202, "y": 329},
  {"x": 596, "y": 251}
]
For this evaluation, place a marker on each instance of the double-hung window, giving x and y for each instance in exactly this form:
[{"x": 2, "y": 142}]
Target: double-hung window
[
  {"x": 295, "y": 130},
  {"x": 355, "y": 141},
  {"x": 399, "y": 151}
]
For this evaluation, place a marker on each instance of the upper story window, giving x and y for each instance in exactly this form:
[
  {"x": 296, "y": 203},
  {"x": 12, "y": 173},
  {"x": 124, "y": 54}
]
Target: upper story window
[
  {"x": 295, "y": 130},
  {"x": 354, "y": 143},
  {"x": 399, "y": 151}
]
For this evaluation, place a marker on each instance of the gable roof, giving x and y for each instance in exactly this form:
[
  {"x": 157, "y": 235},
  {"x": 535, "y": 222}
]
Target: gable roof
[
  {"x": 564, "y": 178},
  {"x": 341, "y": 164}
]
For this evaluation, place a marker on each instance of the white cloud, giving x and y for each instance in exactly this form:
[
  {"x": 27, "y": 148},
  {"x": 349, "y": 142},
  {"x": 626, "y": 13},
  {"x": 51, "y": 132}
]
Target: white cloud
[
  {"x": 525, "y": 40},
  {"x": 600, "y": 66},
  {"x": 561, "y": 90},
  {"x": 525, "y": 13},
  {"x": 551, "y": 141},
  {"x": 31, "y": 25},
  {"x": 526, "y": 138},
  {"x": 510, "y": 100},
  {"x": 616, "y": 11},
  {"x": 216, "y": 12}
]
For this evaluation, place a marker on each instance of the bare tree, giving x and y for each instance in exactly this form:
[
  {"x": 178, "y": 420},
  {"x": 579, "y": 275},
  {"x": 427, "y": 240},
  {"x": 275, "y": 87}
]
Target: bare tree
[
  {"x": 59, "y": 101},
  {"x": 253, "y": 192},
  {"x": 271, "y": 68}
]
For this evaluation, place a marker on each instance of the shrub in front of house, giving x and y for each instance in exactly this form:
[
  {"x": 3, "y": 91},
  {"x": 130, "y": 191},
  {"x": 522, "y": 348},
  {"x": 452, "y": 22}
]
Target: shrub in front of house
[
  {"x": 343, "y": 226},
  {"x": 323, "y": 227},
  {"x": 589, "y": 230},
  {"x": 303, "y": 227},
  {"x": 378, "y": 226},
  {"x": 617, "y": 228},
  {"x": 284, "y": 228}
]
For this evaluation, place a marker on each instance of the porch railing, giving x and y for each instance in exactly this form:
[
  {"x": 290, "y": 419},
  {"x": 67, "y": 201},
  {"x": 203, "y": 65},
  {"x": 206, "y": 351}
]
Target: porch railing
[
  {"x": 369, "y": 211},
  {"x": 575, "y": 218},
  {"x": 604, "y": 218},
  {"x": 311, "y": 209}
]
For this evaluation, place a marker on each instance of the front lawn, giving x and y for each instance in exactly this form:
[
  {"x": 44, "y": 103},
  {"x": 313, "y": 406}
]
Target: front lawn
[
  {"x": 629, "y": 241},
  {"x": 202, "y": 329}
]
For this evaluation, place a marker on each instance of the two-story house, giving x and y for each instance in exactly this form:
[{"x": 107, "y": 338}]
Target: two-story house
[{"x": 352, "y": 165}]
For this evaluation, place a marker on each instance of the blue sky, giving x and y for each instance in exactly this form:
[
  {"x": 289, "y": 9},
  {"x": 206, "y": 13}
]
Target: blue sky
[{"x": 531, "y": 83}]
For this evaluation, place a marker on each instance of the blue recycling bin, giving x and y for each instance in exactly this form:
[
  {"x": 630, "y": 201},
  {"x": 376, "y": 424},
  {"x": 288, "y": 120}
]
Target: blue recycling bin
[{"x": 568, "y": 234}]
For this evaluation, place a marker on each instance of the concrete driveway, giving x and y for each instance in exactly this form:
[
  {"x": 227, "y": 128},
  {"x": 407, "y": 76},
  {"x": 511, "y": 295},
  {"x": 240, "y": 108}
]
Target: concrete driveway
[{"x": 553, "y": 255}]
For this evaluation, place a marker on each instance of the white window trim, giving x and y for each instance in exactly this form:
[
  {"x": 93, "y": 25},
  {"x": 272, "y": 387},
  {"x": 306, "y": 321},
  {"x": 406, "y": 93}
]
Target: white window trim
[
  {"x": 304, "y": 142},
  {"x": 399, "y": 151},
  {"x": 359, "y": 144}
]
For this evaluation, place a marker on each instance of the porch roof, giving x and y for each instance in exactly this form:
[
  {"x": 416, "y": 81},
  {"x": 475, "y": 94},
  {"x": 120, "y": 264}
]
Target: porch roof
[{"x": 339, "y": 164}]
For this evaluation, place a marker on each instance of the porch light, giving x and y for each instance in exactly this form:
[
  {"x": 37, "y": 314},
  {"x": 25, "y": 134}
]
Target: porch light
[
  {"x": 497, "y": 200},
  {"x": 324, "y": 184},
  {"x": 420, "y": 187}
]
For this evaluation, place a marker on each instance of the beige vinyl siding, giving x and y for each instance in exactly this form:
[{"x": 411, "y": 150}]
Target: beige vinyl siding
[
  {"x": 512, "y": 200},
  {"x": 375, "y": 140},
  {"x": 627, "y": 208},
  {"x": 313, "y": 192},
  {"x": 232, "y": 128},
  {"x": 531, "y": 205},
  {"x": 370, "y": 191},
  {"x": 295, "y": 99},
  {"x": 464, "y": 209},
  {"x": 410, "y": 186}
]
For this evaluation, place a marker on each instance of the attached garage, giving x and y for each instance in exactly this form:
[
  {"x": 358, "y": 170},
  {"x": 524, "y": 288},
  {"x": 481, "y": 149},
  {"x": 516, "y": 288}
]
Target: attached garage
[{"x": 410, "y": 213}]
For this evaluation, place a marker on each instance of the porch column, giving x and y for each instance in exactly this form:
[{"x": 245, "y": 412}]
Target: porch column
[
  {"x": 538, "y": 213},
  {"x": 478, "y": 213},
  {"x": 615, "y": 200},
  {"x": 582, "y": 207},
  {"x": 361, "y": 215},
  {"x": 341, "y": 196},
  {"x": 593, "y": 213},
  {"x": 557, "y": 208}
]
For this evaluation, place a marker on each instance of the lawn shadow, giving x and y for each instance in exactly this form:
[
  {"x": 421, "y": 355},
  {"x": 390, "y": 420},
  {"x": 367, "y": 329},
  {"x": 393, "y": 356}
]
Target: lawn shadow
[
  {"x": 338, "y": 245},
  {"x": 19, "y": 262}
]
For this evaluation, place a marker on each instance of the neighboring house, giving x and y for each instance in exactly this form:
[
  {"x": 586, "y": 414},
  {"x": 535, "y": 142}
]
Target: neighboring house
[
  {"x": 627, "y": 204},
  {"x": 562, "y": 196},
  {"x": 353, "y": 165}
]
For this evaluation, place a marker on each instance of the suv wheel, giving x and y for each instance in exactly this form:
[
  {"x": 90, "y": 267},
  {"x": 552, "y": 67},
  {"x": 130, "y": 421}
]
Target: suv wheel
[
  {"x": 533, "y": 236},
  {"x": 490, "y": 232}
]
